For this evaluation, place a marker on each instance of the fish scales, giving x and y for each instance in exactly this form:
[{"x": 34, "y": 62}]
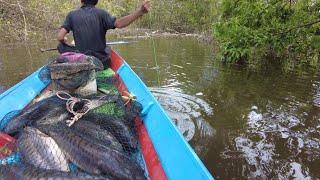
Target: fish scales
[
  {"x": 89, "y": 156},
  {"x": 41, "y": 151},
  {"x": 29, "y": 152},
  {"x": 26, "y": 172},
  {"x": 72, "y": 145},
  {"x": 117, "y": 128},
  {"x": 100, "y": 136}
]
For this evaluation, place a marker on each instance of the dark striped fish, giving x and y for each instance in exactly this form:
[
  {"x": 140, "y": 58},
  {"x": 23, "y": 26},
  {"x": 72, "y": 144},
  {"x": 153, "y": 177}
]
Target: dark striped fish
[
  {"x": 51, "y": 109},
  {"x": 92, "y": 158},
  {"x": 125, "y": 135},
  {"x": 95, "y": 134}
]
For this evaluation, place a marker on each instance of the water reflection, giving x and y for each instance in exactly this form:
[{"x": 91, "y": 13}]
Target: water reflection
[
  {"x": 187, "y": 112},
  {"x": 19, "y": 60}
]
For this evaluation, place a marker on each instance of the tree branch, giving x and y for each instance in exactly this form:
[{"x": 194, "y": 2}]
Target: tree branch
[{"x": 298, "y": 27}]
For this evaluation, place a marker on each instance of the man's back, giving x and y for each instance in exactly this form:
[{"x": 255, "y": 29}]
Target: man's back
[{"x": 89, "y": 26}]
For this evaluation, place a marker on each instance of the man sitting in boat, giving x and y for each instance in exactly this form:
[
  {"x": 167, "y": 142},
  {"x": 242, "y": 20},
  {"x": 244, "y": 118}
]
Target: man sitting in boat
[{"x": 89, "y": 26}]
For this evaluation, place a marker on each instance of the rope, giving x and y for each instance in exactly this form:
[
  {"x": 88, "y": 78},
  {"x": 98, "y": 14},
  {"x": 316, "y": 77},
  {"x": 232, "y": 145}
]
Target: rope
[
  {"x": 129, "y": 97},
  {"x": 71, "y": 102}
]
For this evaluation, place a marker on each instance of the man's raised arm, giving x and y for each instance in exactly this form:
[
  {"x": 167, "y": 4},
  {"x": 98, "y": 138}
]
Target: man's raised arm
[{"x": 127, "y": 20}]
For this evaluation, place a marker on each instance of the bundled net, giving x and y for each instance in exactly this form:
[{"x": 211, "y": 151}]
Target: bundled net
[
  {"x": 72, "y": 71},
  {"x": 6, "y": 119},
  {"x": 44, "y": 75},
  {"x": 101, "y": 144}
]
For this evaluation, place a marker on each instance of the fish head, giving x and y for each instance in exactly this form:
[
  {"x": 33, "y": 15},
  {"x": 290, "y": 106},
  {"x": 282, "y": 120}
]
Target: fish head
[
  {"x": 53, "y": 119},
  {"x": 16, "y": 125}
]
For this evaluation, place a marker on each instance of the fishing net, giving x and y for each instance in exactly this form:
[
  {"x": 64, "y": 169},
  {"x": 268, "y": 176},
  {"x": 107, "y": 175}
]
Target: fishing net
[
  {"x": 44, "y": 75},
  {"x": 26, "y": 171},
  {"x": 71, "y": 71},
  {"x": 6, "y": 119},
  {"x": 102, "y": 144},
  {"x": 105, "y": 81},
  {"x": 41, "y": 150}
]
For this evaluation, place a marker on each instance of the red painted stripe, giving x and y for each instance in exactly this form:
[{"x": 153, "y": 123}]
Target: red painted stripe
[
  {"x": 154, "y": 166},
  {"x": 116, "y": 61},
  {"x": 155, "y": 169},
  {"x": 7, "y": 145}
]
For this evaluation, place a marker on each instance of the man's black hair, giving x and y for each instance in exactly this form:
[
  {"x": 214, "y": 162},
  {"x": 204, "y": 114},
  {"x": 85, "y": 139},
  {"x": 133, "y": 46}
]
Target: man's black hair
[{"x": 91, "y": 2}]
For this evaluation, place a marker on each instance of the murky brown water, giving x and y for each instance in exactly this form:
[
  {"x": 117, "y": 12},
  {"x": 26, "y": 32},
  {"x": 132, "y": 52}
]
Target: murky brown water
[{"x": 243, "y": 124}]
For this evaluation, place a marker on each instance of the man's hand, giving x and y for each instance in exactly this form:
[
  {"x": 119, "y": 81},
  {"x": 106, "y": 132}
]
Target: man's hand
[
  {"x": 145, "y": 7},
  {"x": 125, "y": 21},
  {"x": 62, "y": 36}
]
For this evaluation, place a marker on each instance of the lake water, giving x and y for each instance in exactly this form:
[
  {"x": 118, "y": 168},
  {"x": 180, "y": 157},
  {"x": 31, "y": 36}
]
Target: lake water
[{"x": 242, "y": 123}]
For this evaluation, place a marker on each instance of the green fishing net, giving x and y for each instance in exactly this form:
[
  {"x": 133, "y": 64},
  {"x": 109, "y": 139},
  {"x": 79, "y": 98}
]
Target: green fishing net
[
  {"x": 105, "y": 81},
  {"x": 105, "y": 85}
]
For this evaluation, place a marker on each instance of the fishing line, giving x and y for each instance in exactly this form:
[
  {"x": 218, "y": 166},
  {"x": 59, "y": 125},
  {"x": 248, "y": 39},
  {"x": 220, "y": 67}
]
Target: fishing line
[{"x": 154, "y": 52}]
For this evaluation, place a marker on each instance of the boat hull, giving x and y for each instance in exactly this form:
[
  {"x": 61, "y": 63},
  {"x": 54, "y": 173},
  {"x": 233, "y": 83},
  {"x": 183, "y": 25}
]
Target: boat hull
[{"x": 167, "y": 155}]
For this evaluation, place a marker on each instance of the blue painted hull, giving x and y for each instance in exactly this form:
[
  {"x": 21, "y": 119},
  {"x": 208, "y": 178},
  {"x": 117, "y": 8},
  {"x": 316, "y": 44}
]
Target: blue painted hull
[{"x": 19, "y": 96}]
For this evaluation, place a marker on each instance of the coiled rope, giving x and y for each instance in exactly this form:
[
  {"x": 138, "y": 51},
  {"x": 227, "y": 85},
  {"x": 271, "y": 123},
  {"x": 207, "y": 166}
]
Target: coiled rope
[{"x": 70, "y": 104}]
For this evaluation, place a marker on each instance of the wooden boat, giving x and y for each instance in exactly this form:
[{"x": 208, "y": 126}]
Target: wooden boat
[{"x": 166, "y": 154}]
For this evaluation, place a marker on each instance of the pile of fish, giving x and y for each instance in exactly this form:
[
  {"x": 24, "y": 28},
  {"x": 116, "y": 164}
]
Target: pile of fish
[{"x": 98, "y": 146}]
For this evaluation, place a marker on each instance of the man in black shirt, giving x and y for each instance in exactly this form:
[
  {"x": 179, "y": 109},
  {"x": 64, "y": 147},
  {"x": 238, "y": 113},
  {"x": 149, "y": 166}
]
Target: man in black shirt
[{"x": 89, "y": 26}]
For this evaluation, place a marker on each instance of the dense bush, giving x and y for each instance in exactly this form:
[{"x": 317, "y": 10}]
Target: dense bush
[
  {"x": 30, "y": 18},
  {"x": 250, "y": 30},
  {"x": 22, "y": 20}
]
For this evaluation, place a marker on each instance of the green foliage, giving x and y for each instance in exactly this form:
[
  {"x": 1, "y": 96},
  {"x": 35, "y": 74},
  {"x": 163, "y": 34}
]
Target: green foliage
[
  {"x": 47, "y": 15},
  {"x": 181, "y": 16},
  {"x": 251, "y": 30}
]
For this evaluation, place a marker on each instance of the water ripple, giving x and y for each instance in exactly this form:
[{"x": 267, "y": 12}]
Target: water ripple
[
  {"x": 186, "y": 111},
  {"x": 277, "y": 140}
]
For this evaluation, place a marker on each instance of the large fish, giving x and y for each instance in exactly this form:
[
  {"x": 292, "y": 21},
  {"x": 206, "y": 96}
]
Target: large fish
[
  {"x": 41, "y": 150},
  {"x": 26, "y": 172},
  {"x": 52, "y": 110},
  {"x": 92, "y": 158},
  {"x": 125, "y": 135},
  {"x": 99, "y": 136}
]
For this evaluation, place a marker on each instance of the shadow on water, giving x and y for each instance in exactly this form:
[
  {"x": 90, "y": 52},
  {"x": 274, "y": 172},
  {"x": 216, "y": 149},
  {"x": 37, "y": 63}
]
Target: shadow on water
[{"x": 243, "y": 124}]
